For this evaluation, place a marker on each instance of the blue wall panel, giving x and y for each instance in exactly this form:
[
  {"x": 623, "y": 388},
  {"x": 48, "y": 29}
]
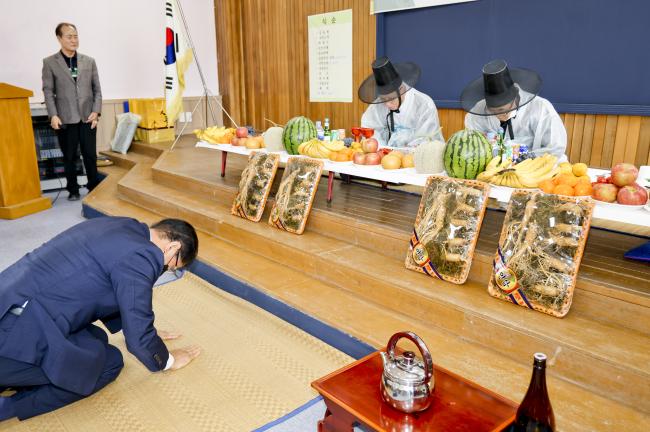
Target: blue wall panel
[{"x": 593, "y": 55}]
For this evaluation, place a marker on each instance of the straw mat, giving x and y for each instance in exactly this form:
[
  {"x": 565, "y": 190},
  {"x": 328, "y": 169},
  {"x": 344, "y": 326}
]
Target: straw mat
[{"x": 254, "y": 368}]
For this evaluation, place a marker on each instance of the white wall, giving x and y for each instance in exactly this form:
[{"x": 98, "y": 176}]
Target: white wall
[{"x": 126, "y": 38}]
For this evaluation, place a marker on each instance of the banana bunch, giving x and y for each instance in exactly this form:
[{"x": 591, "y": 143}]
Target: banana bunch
[
  {"x": 215, "y": 134},
  {"x": 495, "y": 167},
  {"x": 527, "y": 174},
  {"x": 319, "y": 149},
  {"x": 533, "y": 171}
]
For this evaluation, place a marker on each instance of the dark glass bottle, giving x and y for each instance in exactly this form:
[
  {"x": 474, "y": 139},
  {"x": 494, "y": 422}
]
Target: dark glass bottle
[{"x": 535, "y": 413}]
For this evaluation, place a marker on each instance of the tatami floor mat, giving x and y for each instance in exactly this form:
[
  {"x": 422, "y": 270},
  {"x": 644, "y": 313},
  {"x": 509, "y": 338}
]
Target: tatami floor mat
[{"x": 254, "y": 368}]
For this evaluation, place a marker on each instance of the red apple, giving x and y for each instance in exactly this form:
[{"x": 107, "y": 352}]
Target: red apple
[
  {"x": 370, "y": 145},
  {"x": 632, "y": 195},
  {"x": 234, "y": 141},
  {"x": 241, "y": 132},
  {"x": 624, "y": 174},
  {"x": 605, "y": 192},
  {"x": 373, "y": 158},
  {"x": 359, "y": 158},
  {"x": 384, "y": 151}
]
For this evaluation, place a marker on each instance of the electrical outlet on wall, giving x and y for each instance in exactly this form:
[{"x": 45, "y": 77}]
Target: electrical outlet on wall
[{"x": 185, "y": 117}]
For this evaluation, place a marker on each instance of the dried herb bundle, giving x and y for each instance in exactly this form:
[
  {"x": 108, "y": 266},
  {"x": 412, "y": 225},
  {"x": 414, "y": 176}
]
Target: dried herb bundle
[
  {"x": 446, "y": 228},
  {"x": 540, "y": 250},
  {"x": 295, "y": 195},
  {"x": 255, "y": 185}
]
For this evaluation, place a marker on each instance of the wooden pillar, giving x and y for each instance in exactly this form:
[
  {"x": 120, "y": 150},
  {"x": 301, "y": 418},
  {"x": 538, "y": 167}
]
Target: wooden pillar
[{"x": 20, "y": 187}]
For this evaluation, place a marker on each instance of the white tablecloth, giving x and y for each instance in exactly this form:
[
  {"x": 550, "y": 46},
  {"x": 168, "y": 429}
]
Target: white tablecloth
[{"x": 603, "y": 211}]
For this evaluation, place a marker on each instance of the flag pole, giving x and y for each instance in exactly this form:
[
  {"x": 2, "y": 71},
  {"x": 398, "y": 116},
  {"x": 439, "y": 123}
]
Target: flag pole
[{"x": 206, "y": 92}]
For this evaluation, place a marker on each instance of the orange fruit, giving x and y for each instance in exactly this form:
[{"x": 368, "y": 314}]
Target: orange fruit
[
  {"x": 563, "y": 189},
  {"x": 342, "y": 157},
  {"x": 584, "y": 180},
  {"x": 556, "y": 179},
  {"x": 579, "y": 169},
  {"x": 547, "y": 185},
  {"x": 582, "y": 189},
  {"x": 332, "y": 156},
  {"x": 565, "y": 168},
  {"x": 567, "y": 179}
]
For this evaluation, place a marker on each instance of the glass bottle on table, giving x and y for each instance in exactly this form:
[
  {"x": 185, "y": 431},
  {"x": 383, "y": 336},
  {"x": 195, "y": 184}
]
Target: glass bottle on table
[
  {"x": 535, "y": 414},
  {"x": 320, "y": 133},
  {"x": 326, "y": 129},
  {"x": 492, "y": 139},
  {"x": 501, "y": 144}
]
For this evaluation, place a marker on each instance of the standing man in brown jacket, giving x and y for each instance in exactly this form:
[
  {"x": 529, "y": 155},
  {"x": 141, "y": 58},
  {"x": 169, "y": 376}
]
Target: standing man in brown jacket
[{"x": 73, "y": 98}]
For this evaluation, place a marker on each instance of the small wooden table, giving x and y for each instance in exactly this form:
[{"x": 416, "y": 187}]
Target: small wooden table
[{"x": 352, "y": 397}]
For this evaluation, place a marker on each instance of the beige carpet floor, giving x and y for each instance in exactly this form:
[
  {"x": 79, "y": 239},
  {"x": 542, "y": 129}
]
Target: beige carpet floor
[{"x": 254, "y": 369}]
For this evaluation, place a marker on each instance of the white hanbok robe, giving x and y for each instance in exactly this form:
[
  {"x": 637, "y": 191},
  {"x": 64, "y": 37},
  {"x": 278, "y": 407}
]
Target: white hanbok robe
[
  {"x": 417, "y": 117},
  {"x": 536, "y": 124}
]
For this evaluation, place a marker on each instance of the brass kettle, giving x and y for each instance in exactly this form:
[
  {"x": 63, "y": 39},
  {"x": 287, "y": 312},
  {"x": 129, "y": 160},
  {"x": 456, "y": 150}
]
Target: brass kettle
[{"x": 407, "y": 382}]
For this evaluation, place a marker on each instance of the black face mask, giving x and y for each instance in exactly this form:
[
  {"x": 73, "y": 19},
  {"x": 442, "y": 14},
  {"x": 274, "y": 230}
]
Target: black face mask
[{"x": 166, "y": 266}]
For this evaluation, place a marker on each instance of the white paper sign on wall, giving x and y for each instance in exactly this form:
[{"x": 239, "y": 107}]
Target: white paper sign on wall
[
  {"x": 379, "y": 6},
  {"x": 330, "y": 56}
]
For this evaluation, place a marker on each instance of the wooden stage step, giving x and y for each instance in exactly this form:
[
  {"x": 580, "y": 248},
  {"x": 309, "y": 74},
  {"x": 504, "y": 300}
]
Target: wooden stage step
[
  {"x": 377, "y": 220},
  {"x": 610, "y": 289},
  {"x": 329, "y": 279}
]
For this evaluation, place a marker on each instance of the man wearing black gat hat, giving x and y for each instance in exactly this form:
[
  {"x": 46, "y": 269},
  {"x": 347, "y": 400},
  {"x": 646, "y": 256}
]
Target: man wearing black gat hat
[
  {"x": 398, "y": 113},
  {"x": 508, "y": 98}
]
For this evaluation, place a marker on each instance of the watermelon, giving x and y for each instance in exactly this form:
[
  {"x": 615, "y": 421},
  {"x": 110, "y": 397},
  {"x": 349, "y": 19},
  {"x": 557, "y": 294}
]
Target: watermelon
[
  {"x": 297, "y": 131},
  {"x": 467, "y": 154}
]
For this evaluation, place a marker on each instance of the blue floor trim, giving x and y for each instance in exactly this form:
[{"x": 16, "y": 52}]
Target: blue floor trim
[
  {"x": 320, "y": 330},
  {"x": 289, "y": 415}
]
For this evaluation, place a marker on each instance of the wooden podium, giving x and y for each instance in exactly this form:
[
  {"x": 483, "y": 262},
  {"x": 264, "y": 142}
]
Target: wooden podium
[{"x": 20, "y": 186}]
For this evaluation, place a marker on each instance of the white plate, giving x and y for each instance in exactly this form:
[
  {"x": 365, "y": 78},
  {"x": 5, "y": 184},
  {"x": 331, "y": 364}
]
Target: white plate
[
  {"x": 620, "y": 206},
  {"x": 398, "y": 170},
  {"x": 647, "y": 206},
  {"x": 340, "y": 162}
]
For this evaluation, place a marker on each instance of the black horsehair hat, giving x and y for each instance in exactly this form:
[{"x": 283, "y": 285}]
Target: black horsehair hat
[
  {"x": 387, "y": 78},
  {"x": 499, "y": 86}
]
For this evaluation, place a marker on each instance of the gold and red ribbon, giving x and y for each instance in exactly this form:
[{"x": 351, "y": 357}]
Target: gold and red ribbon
[
  {"x": 240, "y": 211},
  {"x": 507, "y": 281},
  {"x": 277, "y": 222},
  {"x": 420, "y": 255}
]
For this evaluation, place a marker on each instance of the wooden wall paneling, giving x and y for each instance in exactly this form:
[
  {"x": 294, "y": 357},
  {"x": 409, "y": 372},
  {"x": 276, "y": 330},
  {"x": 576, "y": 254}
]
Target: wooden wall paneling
[
  {"x": 443, "y": 116},
  {"x": 643, "y": 150},
  {"x": 587, "y": 139},
  {"x": 632, "y": 141},
  {"x": 576, "y": 138},
  {"x": 451, "y": 121},
  {"x": 620, "y": 140},
  {"x": 608, "y": 143},
  {"x": 274, "y": 58},
  {"x": 460, "y": 121},
  {"x": 230, "y": 60},
  {"x": 597, "y": 141},
  {"x": 568, "y": 125}
]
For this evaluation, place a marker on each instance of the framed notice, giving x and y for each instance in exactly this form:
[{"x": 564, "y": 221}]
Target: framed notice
[
  {"x": 330, "y": 56},
  {"x": 379, "y": 6}
]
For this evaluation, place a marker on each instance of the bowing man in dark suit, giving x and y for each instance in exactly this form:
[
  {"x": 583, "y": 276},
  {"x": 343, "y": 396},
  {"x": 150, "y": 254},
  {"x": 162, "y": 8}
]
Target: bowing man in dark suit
[{"x": 104, "y": 269}]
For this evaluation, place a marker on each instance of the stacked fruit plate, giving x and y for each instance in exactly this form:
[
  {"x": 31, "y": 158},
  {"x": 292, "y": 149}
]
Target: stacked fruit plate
[{"x": 620, "y": 188}]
